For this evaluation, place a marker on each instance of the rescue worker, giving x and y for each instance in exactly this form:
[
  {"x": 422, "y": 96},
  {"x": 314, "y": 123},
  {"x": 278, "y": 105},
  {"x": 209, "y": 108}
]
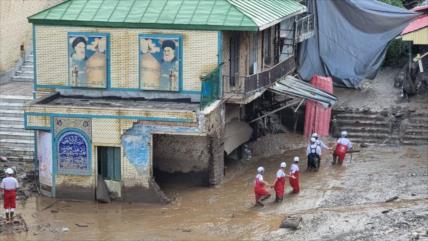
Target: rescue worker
[
  {"x": 260, "y": 187},
  {"x": 279, "y": 183},
  {"x": 9, "y": 184},
  {"x": 343, "y": 145},
  {"x": 320, "y": 142},
  {"x": 294, "y": 175},
  {"x": 313, "y": 152}
]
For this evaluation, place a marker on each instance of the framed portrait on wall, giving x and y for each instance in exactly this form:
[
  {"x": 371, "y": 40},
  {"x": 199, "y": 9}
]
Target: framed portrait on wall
[
  {"x": 88, "y": 59},
  {"x": 160, "y": 62}
]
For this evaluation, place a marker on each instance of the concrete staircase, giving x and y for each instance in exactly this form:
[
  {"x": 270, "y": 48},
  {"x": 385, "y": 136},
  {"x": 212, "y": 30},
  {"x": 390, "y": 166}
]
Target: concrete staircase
[
  {"x": 415, "y": 130},
  {"x": 385, "y": 127},
  {"x": 16, "y": 143},
  {"x": 26, "y": 71}
]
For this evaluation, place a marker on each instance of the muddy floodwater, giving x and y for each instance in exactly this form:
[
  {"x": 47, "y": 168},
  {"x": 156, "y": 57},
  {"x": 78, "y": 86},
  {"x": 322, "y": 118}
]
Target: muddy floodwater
[{"x": 337, "y": 203}]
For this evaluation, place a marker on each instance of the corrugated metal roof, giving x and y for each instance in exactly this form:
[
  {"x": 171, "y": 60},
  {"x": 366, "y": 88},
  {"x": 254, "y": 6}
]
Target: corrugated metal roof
[
  {"x": 420, "y": 22},
  {"x": 298, "y": 88},
  {"x": 240, "y": 15}
]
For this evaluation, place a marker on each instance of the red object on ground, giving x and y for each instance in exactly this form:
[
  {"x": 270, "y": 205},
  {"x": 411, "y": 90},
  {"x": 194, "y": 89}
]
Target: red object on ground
[
  {"x": 259, "y": 190},
  {"x": 317, "y": 118},
  {"x": 9, "y": 199},
  {"x": 279, "y": 187},
  {"x": 341, "y": 152},
  {"x": 294, "y": 182}
]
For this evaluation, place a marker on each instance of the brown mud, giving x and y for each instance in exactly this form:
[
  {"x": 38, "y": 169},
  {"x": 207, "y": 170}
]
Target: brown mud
[{"x": 337, "y": 203}]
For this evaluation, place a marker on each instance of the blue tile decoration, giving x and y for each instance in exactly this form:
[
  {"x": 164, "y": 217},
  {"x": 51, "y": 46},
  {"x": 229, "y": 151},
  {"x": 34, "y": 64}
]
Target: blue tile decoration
[
  {"x": 73, "y": 153},
  {"x": 137, "y": 143}
]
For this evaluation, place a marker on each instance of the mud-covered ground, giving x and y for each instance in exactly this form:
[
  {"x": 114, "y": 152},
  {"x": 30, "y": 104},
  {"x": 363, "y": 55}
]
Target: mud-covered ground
[
  {"x": 379, "y": 94},
  {"x": 337, "y": 203}
]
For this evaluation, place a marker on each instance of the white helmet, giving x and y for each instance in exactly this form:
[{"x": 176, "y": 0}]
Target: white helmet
[
  {"x": 313, "y": 140},
  {"x": 343, "y": 133},
  {"x": 283, "y": 165},
  {"x": 260, "y": 169},
  {"x": 9, "y": 171},
  {"x": 315, "y": 135},
  {"x": 296, "y": 159}
]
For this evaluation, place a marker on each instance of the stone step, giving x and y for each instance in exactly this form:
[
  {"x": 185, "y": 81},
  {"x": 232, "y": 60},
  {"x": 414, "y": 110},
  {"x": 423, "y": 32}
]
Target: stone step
[
  {"x": 359, "y": 116},
  {"x": 14, "y": 121},
  {"x": 418, "y": 125},
  {"x": 29, "y": 61},
  {"x": 11, "y": 147},
  {"x": 414, "y": 142},
  {"x": 416, "y": 131},
  {"x": 11, "y": 127},
  {"x": 14, "y": 129},
  {"x": 11, "y": 106},
  {"x": 16, "y": 152},
  {"x": 11, "y": 120},
  {"x": 17, "y": 141},
  {"x": 27, "y": 67},
  {"x": 24, "y": 73},
  {"x": 365, "y": 140},
  {"x": 16, "y": 97},
  {"x": 24, "y": 158},
  {"x": 369, "y": 135},
  {"x": 12, "y": 113},
  {"x": 418, "y": 120},
  {"x": 366, "y": 129},
  {"x": 413, "y": 137},
  {"x": 16, "y": 135},
  {"x": 22, "y": 78}
]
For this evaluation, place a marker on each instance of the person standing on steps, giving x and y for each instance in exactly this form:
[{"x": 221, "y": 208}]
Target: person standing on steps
[
  {"x": 9, "y": 184},
  {"x": 260, "y": 187},
  {"x": 279, "y": 183},
  {"x": 294, "y": 175}
]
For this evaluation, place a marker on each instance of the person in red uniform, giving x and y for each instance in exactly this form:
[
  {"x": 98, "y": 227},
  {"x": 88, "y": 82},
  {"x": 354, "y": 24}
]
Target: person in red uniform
[
  {"x": 260, "y": 187},
  {"x": 343, "y": 145},
  {"x": 294, "y": 175},
  {"x": 279, "y": 183},
  {"x": 9, "y": 184}
]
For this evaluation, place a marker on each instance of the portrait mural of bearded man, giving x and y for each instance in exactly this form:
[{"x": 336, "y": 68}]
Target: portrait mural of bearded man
[
  {"x": 159, "y": 62},
  {"x": 88, "y": 60}
]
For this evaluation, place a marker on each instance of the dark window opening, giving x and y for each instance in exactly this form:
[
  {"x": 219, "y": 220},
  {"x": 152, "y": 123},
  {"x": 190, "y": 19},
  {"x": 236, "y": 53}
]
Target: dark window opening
[
  {"x": 234, "y": 59},
  {"x": 109, "y": 163},
  {"x": 267, "y": 46}
]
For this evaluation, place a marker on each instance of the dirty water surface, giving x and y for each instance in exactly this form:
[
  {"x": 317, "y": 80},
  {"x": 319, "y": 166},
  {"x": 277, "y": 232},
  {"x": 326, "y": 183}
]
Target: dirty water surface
[{"x": 337, "y": 203}]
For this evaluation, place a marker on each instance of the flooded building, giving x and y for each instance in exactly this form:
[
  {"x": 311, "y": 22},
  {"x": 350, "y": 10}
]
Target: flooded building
[{"x": 131, "y": 92}]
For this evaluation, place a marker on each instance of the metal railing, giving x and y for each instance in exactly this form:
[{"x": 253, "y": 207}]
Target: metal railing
[
  {"x": 304, "y": 27},
  {"x": 210, "y": 89},
  {"x": 246, "y": 85}
]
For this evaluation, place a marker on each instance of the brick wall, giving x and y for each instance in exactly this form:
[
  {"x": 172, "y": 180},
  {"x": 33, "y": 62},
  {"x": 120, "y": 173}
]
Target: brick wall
[
  {"x": 199, "y": 55},
  {"x": 15, "y": 29}
]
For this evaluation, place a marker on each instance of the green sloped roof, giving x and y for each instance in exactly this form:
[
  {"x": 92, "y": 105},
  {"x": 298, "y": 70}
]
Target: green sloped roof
[{"x": 244, "y": 15}]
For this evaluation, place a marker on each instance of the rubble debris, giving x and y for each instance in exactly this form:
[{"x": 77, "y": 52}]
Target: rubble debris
[
  {"x": 386, "y": 211},
  {"x": 81, "y": 225},
  {"x": 49, "y": 206},
  {"x": 17, "y": 226},
  {"x": 102, "y": 191},
  {"x": 291, "y": 222},
  {"x": 391, "y": 199}
]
